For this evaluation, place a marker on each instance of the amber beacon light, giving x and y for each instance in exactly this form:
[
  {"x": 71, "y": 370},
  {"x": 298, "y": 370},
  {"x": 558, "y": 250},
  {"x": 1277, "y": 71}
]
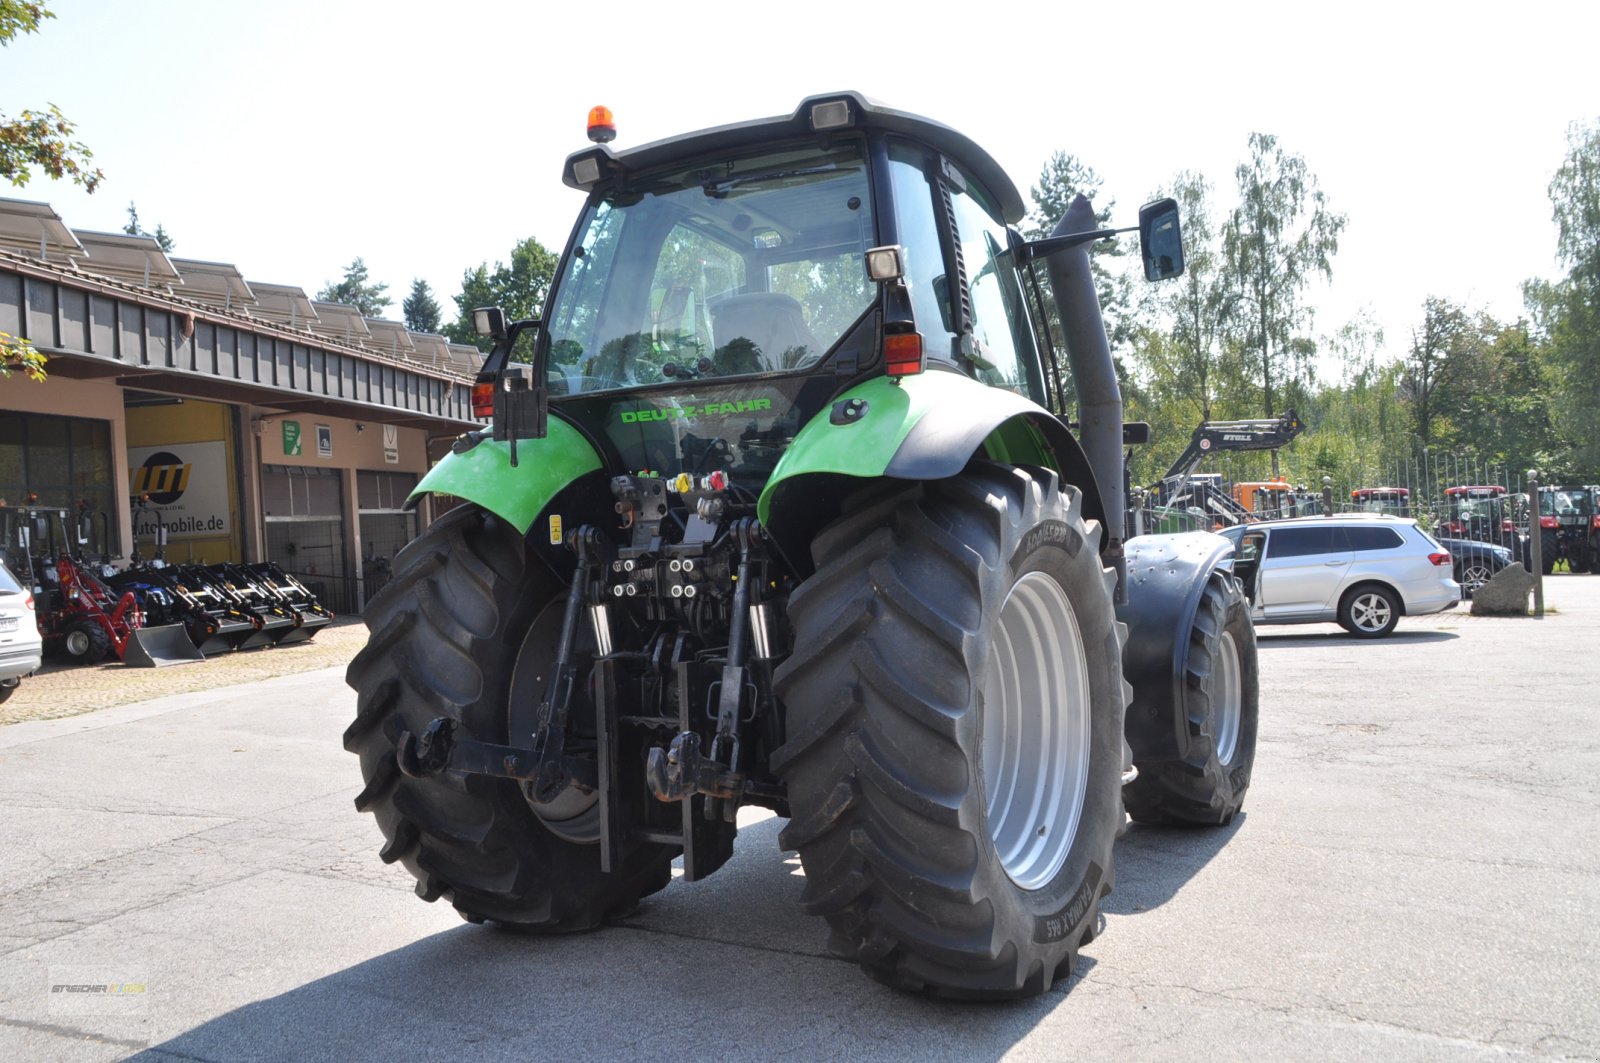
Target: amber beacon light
[{"x": 602, "y": 126}]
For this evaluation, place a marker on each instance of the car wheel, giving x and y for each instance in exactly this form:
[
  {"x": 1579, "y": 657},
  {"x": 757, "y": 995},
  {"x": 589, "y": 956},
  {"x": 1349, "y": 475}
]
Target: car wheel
[
  {"x": 1472, "y": 575},
  {"x": 1369, "y": 612}
]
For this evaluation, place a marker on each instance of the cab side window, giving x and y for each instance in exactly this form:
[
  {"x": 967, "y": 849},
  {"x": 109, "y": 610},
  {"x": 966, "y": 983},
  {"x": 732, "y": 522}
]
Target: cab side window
[{"x": 1000, "y": 329}]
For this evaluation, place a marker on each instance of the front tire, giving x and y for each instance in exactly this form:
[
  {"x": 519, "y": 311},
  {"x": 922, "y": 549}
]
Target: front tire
[
  {"x": 85, "y": 642},
  {"x": 447, "y": 632},
  {"x": 956, "y": 839},
  {"x": 1221, "y": 707},
  {"x": 1369, "y": 611}
]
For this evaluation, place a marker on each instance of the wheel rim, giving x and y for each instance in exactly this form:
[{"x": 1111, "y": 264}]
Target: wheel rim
[
  {"x": 77, "y": 643},
  {"x": 1227, "y": 698},
  {"x": 1371, "y": 611},
  {"x": 574, "y": 815},
  {"x": 1475, "y": 576},
  {"x": 1035, "y": 763}
]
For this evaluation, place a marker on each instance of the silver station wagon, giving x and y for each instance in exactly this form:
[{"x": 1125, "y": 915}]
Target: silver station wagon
[{"x": 1364, "y": 572}]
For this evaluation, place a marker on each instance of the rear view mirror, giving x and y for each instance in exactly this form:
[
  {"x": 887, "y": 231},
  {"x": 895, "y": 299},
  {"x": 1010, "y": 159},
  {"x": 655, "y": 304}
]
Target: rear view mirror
[{"x": 1160, "y": 240}]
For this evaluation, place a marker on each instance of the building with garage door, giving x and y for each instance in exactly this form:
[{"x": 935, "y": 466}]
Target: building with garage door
[{"x": 213, "y": 416}]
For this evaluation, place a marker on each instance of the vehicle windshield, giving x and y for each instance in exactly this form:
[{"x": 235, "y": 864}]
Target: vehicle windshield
[
  {"x": 751, "y": 265},
  {"x": 1565, "y": 503},
  {"x": 1477, "y": 508}
]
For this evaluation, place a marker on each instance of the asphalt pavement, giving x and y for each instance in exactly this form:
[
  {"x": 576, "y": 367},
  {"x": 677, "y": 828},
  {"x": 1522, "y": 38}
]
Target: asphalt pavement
[{"x": 1416, "y": 876}]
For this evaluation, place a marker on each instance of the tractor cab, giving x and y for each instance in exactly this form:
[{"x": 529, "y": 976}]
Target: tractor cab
[
  {"x": 1477, "y": 512},
  {"x": 1393, "y": 501}
]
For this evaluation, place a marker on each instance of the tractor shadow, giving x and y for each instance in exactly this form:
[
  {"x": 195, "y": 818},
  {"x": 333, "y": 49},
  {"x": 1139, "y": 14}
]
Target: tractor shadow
[
  {"x": 726, "y": 968},
  {"x": 1154, "y": 863}
]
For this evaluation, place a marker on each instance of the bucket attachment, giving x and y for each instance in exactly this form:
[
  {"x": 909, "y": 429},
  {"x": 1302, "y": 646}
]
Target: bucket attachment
[
  {"x": 271, "y": 629},
  {"x": 157, "y": 647},
  {"x": 220, "y": 634},
  {"x": 310, "y": 622}
]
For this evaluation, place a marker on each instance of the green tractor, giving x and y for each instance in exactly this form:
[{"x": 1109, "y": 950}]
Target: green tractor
[{"x": 777, "y": 515}]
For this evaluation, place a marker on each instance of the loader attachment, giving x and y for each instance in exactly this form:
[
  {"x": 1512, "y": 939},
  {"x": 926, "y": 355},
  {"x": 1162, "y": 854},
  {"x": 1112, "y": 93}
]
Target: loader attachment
[
  {"x": 157, "y": 647},
  {"x": 309, "y": 620}
]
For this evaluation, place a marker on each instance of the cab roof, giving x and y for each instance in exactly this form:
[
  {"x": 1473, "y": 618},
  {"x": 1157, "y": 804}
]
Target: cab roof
[{"x": 864, "y": 113}]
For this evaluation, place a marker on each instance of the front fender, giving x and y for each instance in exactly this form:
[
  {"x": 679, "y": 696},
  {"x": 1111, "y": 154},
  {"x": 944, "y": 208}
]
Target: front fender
[
  {"x": 924, "y": 427},
  {"x": 484, "y": 475},
  {"x": 1167, "y": 576}
]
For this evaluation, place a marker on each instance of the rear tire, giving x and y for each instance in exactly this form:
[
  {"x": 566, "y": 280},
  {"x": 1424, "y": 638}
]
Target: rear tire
[
  {"x": 446, "y": 633},
  {"x": 916, "y": 772},
  {"x": 85, "y": 642},
  {"x": 1548, "y": 549},
  {"x": 1369, "y": 611},
  {"x": 1221, "y": 707}
]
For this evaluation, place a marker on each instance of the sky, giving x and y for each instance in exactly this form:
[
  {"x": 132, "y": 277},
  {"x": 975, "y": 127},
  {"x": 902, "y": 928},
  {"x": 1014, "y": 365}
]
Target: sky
[{"x": 290, "y": 137}]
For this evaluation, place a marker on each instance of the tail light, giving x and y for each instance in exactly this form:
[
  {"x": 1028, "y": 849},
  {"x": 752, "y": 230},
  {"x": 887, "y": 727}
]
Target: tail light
[
  {"x": 483, "y": 398},
  {"x": 1439, "y": 557},
  {"x": 28, "y": 602},
  {"x": 902, "y": 354}
]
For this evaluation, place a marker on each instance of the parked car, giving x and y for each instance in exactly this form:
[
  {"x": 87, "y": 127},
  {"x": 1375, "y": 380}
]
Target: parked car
[
  {"x": 20, "y": 644},
  {"x": 1362, "y": 571},
  {"x": 1475, "y": 563}
]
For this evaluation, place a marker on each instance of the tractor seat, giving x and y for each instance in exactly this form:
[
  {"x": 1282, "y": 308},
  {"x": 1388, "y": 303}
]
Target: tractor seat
[{"x": 772, "y": 323}]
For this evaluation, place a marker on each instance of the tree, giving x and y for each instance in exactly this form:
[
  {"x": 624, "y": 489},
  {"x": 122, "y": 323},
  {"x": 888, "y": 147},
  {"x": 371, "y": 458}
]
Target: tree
[
  {"x": 1280, "y": 236},
  {"x": 1201, "y": 304},
  {"x": 420, "y": 310},
  {"x": 41, "y": 139},
  {"x": 18, "y": 353},
  {"x": 1568, "y": 311},
  {"x": 1063, "y": 178},
  {"x": 357, "y": 290},
  {"x": 519, "y": 289},
  {"x": 134, "y": 229},
  {"x": 1429, "y": 363}
]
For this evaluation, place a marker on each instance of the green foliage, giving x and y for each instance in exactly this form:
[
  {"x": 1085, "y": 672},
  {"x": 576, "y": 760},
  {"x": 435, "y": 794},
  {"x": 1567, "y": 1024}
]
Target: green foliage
[
  {"x": 133, "y": 228},
  {"x": 420, "y": 309},
  {"x": 1063, "y": 178},
  {"x": 357, "y": 290},
  {"x": 518, "y": 288},
  {"x": 1436, "y": 352},
  {"x": 35, "y": 138},
  {"x": 1567, "y": 312},
  {"x": 1277, "y": 239},
  {"x": 17, "y": 353}
]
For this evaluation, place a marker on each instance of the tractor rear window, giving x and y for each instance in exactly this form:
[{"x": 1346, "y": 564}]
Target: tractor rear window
[{"x": 752, "y": 264}]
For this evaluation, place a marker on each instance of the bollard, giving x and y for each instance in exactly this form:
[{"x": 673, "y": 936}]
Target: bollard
[{"x": 1535, "y": 545}]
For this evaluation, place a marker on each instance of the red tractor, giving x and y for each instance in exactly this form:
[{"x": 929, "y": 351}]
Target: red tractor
[
  {"x": 1569, "y": 528},
  {"x": 1395, "y": 501},
  {"x": 79, "y": 616},
  {"x": 1480, "y": 512}
]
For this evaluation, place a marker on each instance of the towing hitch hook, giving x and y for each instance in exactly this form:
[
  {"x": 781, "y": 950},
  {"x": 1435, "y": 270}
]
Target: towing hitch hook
[{"x": 427, "y": 755}]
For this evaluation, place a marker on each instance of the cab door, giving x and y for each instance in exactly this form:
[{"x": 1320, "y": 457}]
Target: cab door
[{"x": 1302, "y": 570}]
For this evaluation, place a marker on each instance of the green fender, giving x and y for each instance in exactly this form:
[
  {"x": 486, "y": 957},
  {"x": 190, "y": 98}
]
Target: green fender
[
  {"x": 484, "y": 475},
  {"x": 926, "y": 427}
]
